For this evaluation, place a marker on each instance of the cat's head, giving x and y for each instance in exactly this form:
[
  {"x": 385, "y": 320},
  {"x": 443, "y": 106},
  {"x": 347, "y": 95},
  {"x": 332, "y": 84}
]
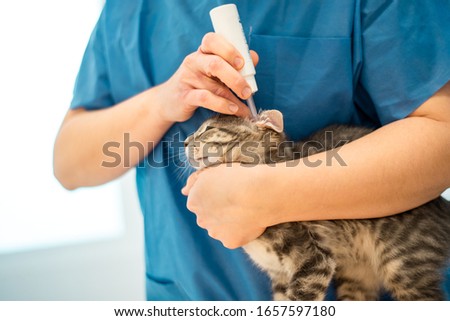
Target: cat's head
[{"x": 226, "y": 139}]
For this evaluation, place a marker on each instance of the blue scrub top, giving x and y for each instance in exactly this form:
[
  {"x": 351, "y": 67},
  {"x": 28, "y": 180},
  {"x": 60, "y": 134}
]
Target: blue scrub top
[{"x": 321, "y": 62}]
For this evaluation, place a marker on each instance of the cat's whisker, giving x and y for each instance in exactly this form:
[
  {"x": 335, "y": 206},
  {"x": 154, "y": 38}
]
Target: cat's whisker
[
  {"x": 173, "y": 156},
  {"x": 184, "y": 171}
]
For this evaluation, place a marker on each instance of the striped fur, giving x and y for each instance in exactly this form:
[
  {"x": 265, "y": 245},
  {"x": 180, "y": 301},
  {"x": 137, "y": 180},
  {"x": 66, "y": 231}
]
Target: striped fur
[{"x": 405, "y": 254}]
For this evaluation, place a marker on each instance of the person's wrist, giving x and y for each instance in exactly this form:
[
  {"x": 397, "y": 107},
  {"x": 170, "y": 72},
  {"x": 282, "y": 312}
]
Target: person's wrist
[
  {"x": 156, "y": 103},
  {"x": 270, "y": 194},
  {"x": 278, "y": 186}
]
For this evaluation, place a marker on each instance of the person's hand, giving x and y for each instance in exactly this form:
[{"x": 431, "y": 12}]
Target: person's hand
[
  {"x": 204, "y": 79},
  {"x": 229, "y": 203}
]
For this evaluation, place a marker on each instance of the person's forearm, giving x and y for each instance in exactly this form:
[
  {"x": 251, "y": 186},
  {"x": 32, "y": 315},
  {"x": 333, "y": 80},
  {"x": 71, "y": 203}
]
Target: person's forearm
[
  {"x": 85, "y": 145},
  {"x": 396, "y": 168},
  {"x": 205, "y": 78}
]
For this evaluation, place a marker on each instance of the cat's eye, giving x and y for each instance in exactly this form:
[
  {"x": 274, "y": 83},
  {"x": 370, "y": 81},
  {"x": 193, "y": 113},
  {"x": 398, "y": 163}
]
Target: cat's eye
[
  {"x": 205, "y": 129},
  {"x": 209, "y": 128}
]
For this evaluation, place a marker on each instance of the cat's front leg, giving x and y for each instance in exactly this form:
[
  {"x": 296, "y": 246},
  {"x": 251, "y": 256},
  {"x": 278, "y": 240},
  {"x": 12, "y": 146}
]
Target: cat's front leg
[
  {"x": 279, "y": 292},
  {"x": 280, "y": 286},
  {"x": 311, "y": 280}
]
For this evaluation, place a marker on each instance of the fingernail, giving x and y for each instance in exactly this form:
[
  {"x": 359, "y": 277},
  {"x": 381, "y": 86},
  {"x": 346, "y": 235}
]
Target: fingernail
[
  {"x": 246, "y": 92},
  {"x": 238, "y": 62},
  {"x": 233, "y": 108}
]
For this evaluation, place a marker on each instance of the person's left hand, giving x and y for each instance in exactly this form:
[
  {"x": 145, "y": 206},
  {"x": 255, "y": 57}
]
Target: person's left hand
[{"x": 227, "y": 203}]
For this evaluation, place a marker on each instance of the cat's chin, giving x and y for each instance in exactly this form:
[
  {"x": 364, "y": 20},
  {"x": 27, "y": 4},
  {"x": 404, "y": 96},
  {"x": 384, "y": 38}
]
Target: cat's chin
[{"x": 204, "y": 162}]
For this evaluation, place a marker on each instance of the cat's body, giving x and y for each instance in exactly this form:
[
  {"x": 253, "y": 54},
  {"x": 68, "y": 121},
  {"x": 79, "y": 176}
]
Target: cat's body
[{"x": 405, "y": 254}]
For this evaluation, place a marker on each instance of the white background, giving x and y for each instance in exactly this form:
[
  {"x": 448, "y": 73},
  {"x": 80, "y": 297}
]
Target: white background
[{"x": 56, "y": 244}]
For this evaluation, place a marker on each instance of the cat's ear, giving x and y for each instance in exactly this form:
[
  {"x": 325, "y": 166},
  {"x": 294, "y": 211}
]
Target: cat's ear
[{"x": 272, "y": 119}]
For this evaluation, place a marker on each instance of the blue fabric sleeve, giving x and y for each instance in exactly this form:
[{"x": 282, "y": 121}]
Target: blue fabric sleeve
[
  {"x": 92, "y": 86},
  {"x": 405, "y": 55}
]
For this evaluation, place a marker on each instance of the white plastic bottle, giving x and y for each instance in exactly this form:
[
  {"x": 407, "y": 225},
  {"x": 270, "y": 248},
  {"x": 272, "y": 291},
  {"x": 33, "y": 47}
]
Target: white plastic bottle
[{"x": 226, "y": 22}]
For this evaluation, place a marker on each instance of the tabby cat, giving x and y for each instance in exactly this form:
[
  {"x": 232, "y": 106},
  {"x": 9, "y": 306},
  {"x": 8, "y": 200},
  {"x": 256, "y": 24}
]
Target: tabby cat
[{"x": 405, "y": 254}]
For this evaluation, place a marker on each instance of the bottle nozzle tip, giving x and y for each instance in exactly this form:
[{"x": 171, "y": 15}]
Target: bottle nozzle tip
[{"x": 252, "y": 106}]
